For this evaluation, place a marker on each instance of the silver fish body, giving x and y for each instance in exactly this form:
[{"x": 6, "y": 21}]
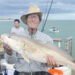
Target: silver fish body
[{"x": 35, "y": 50}]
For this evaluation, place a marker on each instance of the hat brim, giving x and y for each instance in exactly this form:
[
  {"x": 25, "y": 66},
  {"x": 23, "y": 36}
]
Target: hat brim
[{"x": 23, "y": 17}]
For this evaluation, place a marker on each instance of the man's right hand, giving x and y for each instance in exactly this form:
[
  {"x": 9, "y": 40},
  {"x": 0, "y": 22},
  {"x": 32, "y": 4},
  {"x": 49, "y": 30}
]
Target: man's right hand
[{"x": 8, "y": 49}]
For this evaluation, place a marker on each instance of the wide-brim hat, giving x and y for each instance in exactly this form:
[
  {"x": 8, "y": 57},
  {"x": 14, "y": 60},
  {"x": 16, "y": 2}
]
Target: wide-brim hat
[{"x": 33, "y": 9}]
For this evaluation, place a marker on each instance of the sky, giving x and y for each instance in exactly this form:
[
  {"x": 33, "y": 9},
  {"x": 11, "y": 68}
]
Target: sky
[{"x": 61, "y": 9}]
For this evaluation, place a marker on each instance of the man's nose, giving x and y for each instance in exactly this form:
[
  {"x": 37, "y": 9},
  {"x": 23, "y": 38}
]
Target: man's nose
[{"x": 33, "y": 19}]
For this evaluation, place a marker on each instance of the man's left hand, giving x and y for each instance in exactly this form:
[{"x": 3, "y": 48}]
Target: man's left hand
[{"x": 51, "y": 62}]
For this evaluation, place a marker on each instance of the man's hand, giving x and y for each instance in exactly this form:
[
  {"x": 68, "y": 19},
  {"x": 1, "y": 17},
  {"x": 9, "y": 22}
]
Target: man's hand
[
  {"x": 51, "y": 62},
  {"x": 8, "y": 49}
]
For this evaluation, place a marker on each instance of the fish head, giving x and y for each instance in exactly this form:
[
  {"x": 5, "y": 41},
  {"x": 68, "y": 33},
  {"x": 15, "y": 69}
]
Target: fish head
[{"x": 13, "y": 43}]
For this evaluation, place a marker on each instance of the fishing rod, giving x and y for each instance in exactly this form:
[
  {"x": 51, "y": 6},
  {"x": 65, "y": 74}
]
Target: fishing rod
[
  {"x": 47, "y": 16},
  {"x": 45, "y": 11}
]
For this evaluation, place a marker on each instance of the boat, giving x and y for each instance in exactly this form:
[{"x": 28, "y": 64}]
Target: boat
[{"x": 54, "y": 29}]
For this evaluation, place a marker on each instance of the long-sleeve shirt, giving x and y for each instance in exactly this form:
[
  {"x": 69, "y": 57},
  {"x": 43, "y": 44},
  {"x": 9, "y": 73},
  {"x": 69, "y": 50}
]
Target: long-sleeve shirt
[{"x": 20, "y": 64}]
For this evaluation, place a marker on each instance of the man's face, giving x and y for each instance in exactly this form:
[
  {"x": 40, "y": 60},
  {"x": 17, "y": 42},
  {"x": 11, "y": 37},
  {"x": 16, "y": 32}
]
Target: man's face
[
  {"x": 16, "y": 23},
  {"x": 33, "y": 21}
]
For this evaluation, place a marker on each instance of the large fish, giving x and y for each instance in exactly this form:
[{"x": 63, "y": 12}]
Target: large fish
[{"x": 35, "y": 50}]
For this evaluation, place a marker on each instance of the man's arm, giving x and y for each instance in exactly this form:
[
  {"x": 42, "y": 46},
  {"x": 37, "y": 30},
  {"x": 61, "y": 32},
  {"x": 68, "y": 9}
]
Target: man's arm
[
  {"x": 51, "y": 62},
  {"x": 9, "y": 55}
]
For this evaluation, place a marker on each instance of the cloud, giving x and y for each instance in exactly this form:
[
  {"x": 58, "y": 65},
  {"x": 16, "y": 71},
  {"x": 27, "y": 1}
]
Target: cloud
[
  {"x": 19, "y": 7},
  {"x": 64, "y": 6}
]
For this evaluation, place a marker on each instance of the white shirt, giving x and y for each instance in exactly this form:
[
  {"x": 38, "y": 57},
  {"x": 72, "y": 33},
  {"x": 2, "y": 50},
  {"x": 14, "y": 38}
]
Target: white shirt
[
  {"x": 42, "y": 37},
  {"x": 19, "y": 31}
]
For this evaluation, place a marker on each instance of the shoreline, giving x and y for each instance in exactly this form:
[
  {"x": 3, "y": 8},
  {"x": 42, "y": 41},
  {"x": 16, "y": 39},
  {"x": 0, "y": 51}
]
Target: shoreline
[{"x": 6, "y": 20}]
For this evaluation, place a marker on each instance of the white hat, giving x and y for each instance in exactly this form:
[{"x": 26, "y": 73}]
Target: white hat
[{"x": 32, "y": 9}]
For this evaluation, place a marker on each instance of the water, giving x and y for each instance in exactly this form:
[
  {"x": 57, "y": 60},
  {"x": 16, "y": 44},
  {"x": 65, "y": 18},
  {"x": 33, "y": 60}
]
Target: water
[{"x": 66, "y": 29}]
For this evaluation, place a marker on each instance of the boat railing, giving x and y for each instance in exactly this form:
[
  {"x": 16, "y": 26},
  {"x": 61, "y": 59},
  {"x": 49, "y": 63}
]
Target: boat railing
[{"x": 66, "y": 44}]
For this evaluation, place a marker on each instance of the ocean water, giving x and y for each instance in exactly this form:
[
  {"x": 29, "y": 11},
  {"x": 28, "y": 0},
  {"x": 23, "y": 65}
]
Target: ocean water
[{"x": 66, "y": 29}]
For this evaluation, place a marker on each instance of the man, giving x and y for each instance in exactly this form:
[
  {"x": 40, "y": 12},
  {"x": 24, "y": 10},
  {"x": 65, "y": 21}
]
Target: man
[
  {"x": 17, "y": 29},
  {"x": 33, "y": 19}
]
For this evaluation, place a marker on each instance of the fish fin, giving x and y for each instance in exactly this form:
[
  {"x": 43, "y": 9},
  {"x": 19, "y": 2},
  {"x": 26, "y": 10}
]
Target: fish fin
[{"x": 26, "y": 58}]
